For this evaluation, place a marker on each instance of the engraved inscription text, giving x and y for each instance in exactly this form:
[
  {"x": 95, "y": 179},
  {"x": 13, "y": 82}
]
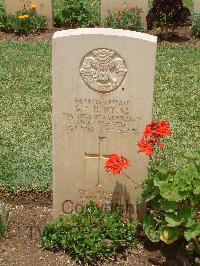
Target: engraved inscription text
[{"x": 93, "y": 115}]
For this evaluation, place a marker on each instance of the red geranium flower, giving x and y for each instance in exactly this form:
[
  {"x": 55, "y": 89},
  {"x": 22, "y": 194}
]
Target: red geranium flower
[
  {"x": 159, "y": 129},
  {"x": 146, "y": 146},
  {"x": 163, "y": 129},
  {"x": 152, "y": 135},
  {"x": 116, "y": 164},
  {"x": 150, "y": 130}
]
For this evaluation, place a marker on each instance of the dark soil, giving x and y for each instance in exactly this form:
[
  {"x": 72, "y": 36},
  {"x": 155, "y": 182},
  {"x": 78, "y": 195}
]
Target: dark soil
[
  {"x": 180, "y": 35},
  {"x": 41, "y": 37},
  {"x": 29, "y": 211}
]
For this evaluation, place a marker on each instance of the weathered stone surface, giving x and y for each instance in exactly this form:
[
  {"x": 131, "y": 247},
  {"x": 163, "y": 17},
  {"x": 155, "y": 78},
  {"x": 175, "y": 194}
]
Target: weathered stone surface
[
  {"x": 110, "y": 5},
  {"x": 103, "y": 83},
  {"x": 44, "y": 7}
]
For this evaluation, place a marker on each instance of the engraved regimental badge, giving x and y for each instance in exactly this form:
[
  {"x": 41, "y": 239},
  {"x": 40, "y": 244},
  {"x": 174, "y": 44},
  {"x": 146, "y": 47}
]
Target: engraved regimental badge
[{"x": 103, "y": 70}]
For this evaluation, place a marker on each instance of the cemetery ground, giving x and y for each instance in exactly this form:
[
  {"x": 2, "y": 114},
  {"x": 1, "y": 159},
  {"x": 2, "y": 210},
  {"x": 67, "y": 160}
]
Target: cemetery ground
[
  {"x": 29, "y": 213},
  {"x": 25, "y": 144},
  {"x": 180, "y": 35}
]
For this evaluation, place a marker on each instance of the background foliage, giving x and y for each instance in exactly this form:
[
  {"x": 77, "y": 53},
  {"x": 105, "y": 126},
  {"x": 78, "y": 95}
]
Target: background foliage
[
  {"x": 187, "y": 3},
  {"x": 174, "y": 201},
  {"x": 196, "y": 24},
  {"x": 33, "y": 24},
  {"x": 167, "y": 13},
  {"x": 90, "y": 235},
  {"x": 79, "y": 13},
  {"x": 127, "y": 19}
]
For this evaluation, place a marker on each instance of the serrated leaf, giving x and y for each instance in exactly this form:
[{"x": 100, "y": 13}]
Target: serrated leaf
[
  {"x": 187, "y": 213},
  {"x": 157, "y": 182},
  {"x": 173, "y": 220},
  {"x": 190, "y": 222},
  {"x": 196, "y": 185},
  {"x": 198, "y": 168},
  {"x": 179, "y": 217},
  {"x": 162, "y": 178},
  {"x": 168, "y": 191},
  {"x": 169, "y": 235},
  {"x": 169, "y": 206},
  {"x": 149, "y": 227},
  {"x": 192, "y": 232},
  {"x": 188, "y": 174},
  {"x": 148, "y": 195}
]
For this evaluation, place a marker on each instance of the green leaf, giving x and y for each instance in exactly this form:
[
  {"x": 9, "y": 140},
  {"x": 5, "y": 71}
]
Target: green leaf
[
  {"x": 149, "y": 227},
  {"x": 179, "y": 217},
  {"x": 149, "y": 193},
  {"x": 169, "y": 206},
  {"x": 192, "y": 232},
  {"x": 190, "y": 222},
  {"x": 157, "y": 182},
  {"x": 187, "y": 175},
  {"x": 196, "y": 185},
  {"x": 169, "y": 235},
  {"x": 198, "y": 168},
  {"x": 187, "y": 213},
  {"x": 162, "y": 178},
  {"x": 168, "y": 191},
  {"x": 173, "y": 219}
]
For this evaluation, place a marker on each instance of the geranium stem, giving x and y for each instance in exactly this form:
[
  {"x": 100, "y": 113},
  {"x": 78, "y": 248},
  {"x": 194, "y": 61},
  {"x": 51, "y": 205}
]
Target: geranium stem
[{"x": 131, "y": 179}]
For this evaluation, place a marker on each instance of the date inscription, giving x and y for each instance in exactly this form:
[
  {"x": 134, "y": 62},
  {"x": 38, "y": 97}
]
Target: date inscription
[{"x": 92, "y": 115}]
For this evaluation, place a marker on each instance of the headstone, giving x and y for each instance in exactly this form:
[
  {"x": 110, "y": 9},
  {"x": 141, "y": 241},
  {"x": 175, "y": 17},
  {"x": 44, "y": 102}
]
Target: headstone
[
  {"x": 113, "y": 5},
  {"x": 44, "y": 7},
  {"x": 197, "y": 6},
  {"x": 103, "y": 84}
]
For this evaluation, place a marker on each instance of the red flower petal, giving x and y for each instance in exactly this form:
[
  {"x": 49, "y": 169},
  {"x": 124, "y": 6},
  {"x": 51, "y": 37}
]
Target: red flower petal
[{"x": 116, "y": 164}]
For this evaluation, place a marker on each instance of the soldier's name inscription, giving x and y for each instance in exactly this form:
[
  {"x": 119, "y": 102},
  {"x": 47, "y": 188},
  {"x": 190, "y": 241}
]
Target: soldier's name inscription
[{"x": 92, "y": 115}]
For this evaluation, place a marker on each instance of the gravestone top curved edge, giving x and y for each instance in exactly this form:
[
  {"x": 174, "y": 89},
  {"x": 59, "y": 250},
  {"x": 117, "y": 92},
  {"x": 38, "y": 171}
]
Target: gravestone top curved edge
[{"x": 105, "y": 31}]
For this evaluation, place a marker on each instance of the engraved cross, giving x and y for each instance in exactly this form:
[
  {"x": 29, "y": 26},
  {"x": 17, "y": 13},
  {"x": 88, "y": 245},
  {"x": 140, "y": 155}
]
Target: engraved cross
[{"x": 100, "y": 156}]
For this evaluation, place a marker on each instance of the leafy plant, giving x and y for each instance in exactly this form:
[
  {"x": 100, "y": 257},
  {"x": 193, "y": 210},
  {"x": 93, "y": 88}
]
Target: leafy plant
[
  {"x": 2, "y": 5},
  {"x": 90, "y": 235},
  {"x": 187, "y": 3},
  {"x": 167, "y": 13},
  {"x": 196, "y": 24},
  {"x": 4, "y": 219},
  {"x": 127, "y": 19},
  {"x": 2, "y": 15},
  {"x": 79, "y": 13},
  {"x": 174, "y": 201},
  {"x": 24, "y": 22},
  {"x": 57, "y": 17}
]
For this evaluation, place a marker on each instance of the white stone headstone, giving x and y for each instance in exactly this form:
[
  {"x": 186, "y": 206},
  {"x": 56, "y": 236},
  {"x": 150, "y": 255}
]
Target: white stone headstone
[
  {"x": 113, "y": 5},
  {"x": 103, "y": 84},
  {"x": 44, "y": 7},
  {"x": 197, "y": 6}
]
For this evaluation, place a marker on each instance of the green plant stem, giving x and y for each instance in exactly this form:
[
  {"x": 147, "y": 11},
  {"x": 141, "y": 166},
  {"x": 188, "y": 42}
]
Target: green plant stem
[{"x": 131, "y": 180}]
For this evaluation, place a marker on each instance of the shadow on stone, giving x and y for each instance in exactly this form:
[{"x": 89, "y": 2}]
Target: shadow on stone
[{"x": 121, "y": 198}]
